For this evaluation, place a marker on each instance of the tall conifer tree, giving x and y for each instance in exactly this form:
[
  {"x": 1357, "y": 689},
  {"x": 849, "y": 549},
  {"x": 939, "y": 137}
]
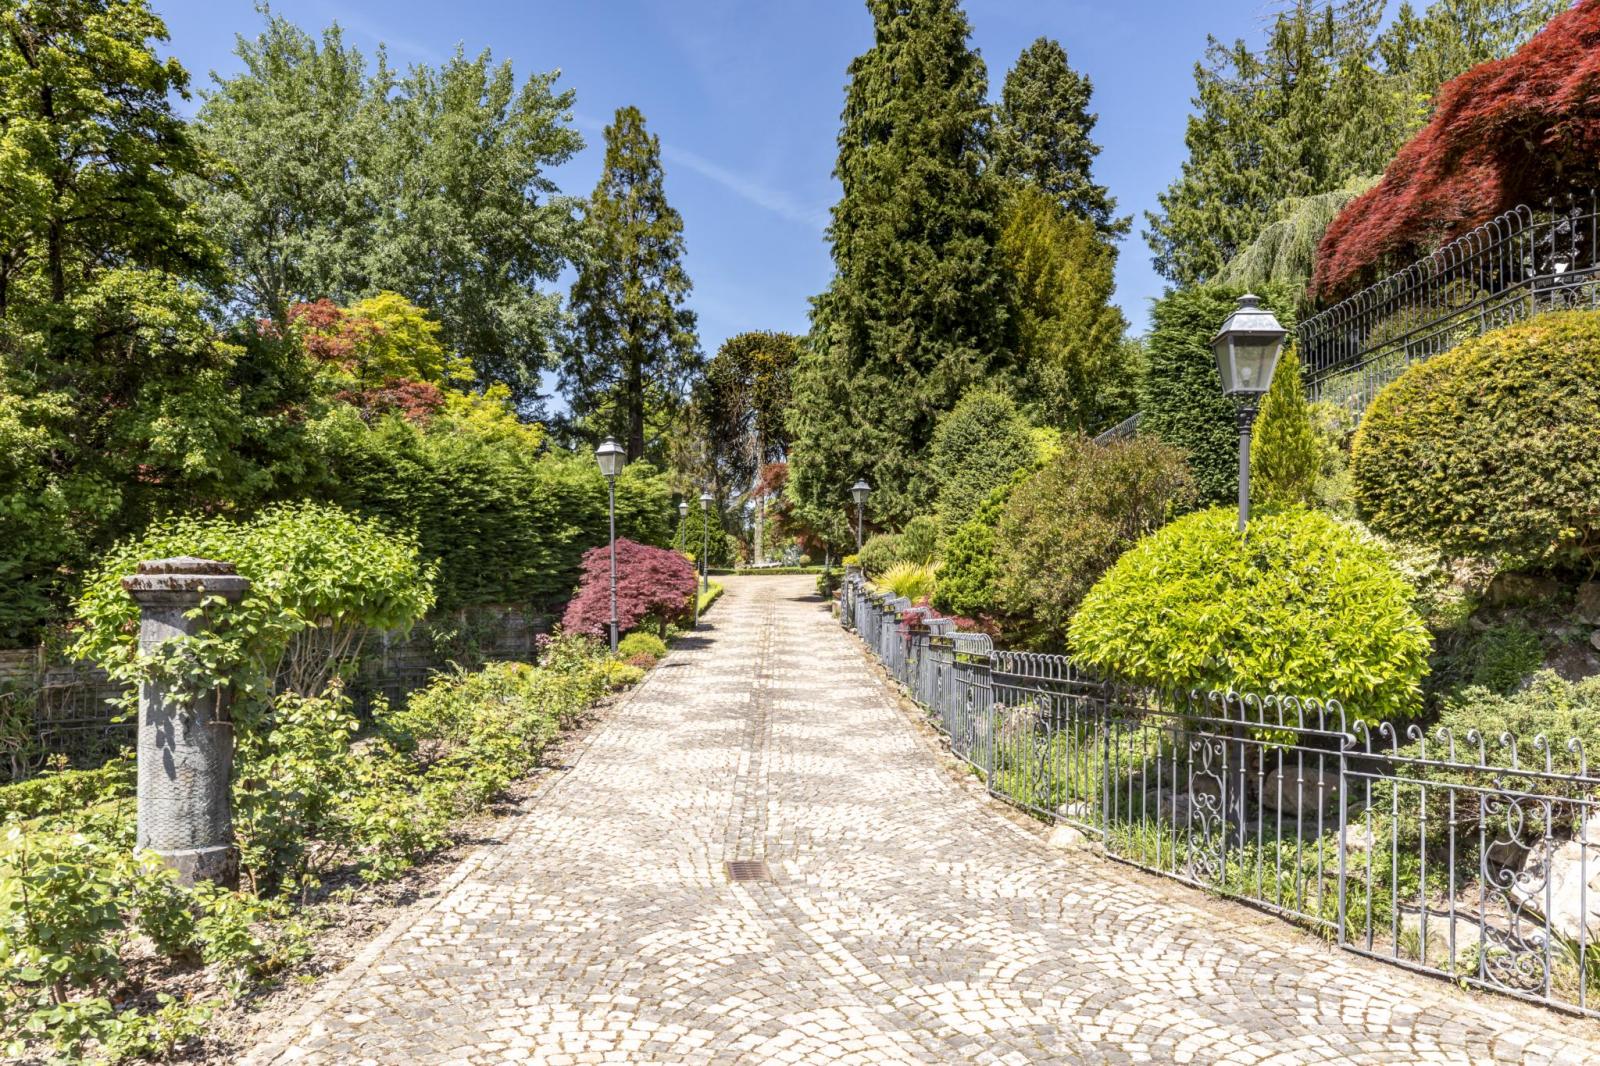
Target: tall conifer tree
[
  {"x": 634, "y": 349},
  {"x": 915, "y": 314},
  {"x": 1043, "y": 134}
]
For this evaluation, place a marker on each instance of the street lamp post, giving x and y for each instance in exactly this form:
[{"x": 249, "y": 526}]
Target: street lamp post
[
  {"x": 1247, "y": 349},
  {"x": 705, "y": 539},
  {"x": 610, "y": 456},
  {"x": 860, "y": 491},
  {"x": 683, "y": 516}
]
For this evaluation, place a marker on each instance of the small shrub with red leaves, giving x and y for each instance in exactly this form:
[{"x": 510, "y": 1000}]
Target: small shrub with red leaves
[{"x": 655, "y": 584}]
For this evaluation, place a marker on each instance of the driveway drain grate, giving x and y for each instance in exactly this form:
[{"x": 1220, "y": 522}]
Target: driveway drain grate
[{"x": 748, "y": 870}]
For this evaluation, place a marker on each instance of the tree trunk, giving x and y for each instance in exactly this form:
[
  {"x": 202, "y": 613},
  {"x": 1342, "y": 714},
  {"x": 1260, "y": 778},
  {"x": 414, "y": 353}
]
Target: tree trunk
[
  {"x": 634, "y": 399},
  {"x": 761, "y": 543}
]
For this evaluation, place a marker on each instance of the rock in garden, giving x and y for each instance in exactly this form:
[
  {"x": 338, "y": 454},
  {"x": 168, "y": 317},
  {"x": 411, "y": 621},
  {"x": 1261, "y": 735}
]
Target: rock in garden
[
  {"x": 1561, "y": 879},
  {"x": 1066, "y": 836},
  {"x": 1509, "y": 589},
  {"x": 1300, "y": 791},
  {"x": 1587, "y": 607}
]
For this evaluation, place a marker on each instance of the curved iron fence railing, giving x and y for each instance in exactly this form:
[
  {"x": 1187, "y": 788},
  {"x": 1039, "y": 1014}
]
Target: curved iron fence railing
[
  {"x": 1506, "y": 270},
  {"x": 1473, "y": 857}
]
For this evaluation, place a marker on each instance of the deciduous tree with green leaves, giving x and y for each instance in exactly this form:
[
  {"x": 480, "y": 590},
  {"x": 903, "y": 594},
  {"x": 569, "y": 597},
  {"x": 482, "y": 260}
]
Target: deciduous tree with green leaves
[
  {"x": 433, "y": 184},
  {"x": 118, "y": 400},
  {"x": 633, "y": 347},
  {"x": 915, "y": 314}
]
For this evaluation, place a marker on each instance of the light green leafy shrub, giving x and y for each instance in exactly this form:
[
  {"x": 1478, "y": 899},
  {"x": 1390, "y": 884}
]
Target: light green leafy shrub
[
  {"x": 321, "y": 580},
  {"x": 919, "y": 541},
  {"x": 1062, "y": 527},
  {"x": 911, "y": 580},
  {"x": 68, "y": 904},
  {"x": 1489, "y": 449},
  {"x": 641, "y": 645},
  {"x": 1305, "y": 605},
  {"x": 881, "y": 551}
]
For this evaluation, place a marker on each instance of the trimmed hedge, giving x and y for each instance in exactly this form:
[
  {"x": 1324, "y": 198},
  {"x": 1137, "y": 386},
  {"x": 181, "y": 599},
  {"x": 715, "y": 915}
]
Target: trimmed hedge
[
  {"x": 1304, "y": 605},
  {"x": 766, "y": 571},
  {"x": 503, "y": 524},
  {"x": 1493, "y": 448}
]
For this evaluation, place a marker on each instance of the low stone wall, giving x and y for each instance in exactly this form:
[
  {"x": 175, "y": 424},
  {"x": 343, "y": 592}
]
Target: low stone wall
[{"x": 75, "y": 711}]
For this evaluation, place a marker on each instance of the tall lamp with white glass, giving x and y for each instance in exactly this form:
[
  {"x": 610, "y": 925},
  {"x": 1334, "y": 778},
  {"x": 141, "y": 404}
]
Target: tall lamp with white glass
[
  {"x": 1247, "y": 349},
  {"x": 610, "y": 456}
]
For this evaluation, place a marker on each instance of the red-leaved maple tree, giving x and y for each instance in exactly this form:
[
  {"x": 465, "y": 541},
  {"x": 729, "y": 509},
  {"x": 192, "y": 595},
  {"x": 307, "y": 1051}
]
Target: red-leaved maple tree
[
  {"x": 1517, "y": 130},
  {"x": 654, "y": 583}
]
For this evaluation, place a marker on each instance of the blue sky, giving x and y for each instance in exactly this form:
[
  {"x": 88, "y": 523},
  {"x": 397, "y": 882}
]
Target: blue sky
[{"x": 745, "y": 96}]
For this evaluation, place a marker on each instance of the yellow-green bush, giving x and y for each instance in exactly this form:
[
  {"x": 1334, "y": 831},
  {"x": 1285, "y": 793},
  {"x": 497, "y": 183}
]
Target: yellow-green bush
[
  {"x": 1305, "y": 605},
  {"x": 641, "y": 644},
  {"x": 913, "y": 581},
  {"x": 1492, "y": 449}
]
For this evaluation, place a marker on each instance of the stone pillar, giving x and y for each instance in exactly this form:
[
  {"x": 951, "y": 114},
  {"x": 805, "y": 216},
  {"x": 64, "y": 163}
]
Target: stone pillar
[{"x": 185, "y": 753}]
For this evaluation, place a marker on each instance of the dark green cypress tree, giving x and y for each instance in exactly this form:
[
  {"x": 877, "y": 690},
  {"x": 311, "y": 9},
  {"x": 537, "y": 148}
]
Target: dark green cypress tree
[
  {"x": 633, "y": 351},
  {"x": 1042, "y": 135},
  {"x": 915, "y": 314}
]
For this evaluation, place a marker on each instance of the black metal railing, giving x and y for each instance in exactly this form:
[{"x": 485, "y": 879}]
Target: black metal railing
[
  {"x": 1516, "y": 265},
  {"x": 1469, "y": 857}
]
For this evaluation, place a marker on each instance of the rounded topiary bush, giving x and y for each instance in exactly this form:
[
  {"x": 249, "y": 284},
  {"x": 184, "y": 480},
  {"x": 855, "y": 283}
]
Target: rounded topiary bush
[
  {"x": 1492, "y": 449},
  {"x": 879, "y": 553},
  {"x": 1305, "y": 605}
]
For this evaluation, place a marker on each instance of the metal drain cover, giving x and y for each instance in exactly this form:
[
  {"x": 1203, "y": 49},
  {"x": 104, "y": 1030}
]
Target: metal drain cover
[{"x": 748, "y": 870}]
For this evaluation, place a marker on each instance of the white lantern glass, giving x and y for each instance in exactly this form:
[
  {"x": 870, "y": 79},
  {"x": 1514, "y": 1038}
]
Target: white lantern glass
[
  {"x": 1247, "y": 348},
  {"x": 610, "y": 457}
]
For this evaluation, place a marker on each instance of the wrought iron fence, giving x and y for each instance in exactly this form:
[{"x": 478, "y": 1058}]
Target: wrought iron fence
[
  {"x": 1506, "y": 270},
  {"x": 1474, "y": 857}
]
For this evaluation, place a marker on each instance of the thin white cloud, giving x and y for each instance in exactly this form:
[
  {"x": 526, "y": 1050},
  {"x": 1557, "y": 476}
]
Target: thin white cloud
[
  {"x": 776, "y": 201},
  {"x": 367, "y": 28}
]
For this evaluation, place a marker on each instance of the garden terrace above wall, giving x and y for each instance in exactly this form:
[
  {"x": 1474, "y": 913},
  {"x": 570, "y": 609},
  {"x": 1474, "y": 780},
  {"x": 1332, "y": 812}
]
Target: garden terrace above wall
[{"x": 1507, "y": 270}]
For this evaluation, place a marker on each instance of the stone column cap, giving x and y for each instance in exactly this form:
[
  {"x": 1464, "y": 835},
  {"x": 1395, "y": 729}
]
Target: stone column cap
[{"x": 186, "y": 574}]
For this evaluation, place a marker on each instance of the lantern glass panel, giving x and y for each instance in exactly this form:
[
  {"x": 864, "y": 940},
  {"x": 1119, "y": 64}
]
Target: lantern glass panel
[{"x": 610, "y": 456}]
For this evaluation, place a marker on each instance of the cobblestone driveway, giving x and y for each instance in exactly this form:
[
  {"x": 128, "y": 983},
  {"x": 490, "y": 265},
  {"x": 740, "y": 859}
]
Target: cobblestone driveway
[{"x": 906, "y": 920}]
